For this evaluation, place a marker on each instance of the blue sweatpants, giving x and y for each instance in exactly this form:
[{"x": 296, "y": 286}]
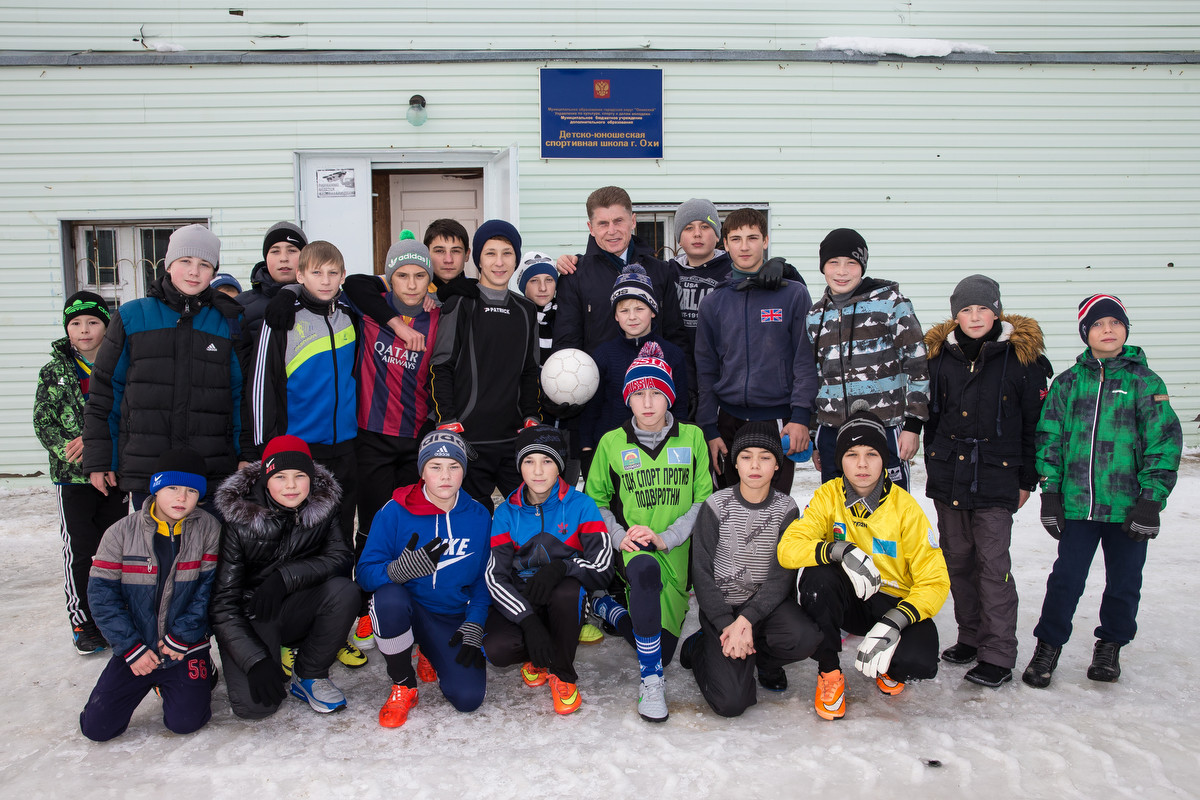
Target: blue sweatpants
[
  {"x": 1123, "y": 562},
  {"x": 400, "y": 622},
  {"x": 186, "y": 696}
]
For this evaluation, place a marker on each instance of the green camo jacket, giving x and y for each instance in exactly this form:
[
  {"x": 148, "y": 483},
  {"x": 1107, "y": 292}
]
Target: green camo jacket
[
  {"x": 58, "y": 411},
  {"x": 1107, "y": 436}
]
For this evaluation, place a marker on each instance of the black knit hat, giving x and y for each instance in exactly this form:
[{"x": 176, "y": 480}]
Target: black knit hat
[
  {"x": 844, "y": 242},
  {"x": 86, "y": 304},
  {"x": 862, "y": 427},
  {"x": 758, "y": 433},
  {"x": 1099, "y": 306},
  {"x": 542, "y": 439},
  {"x": 178, "y": 468},
  {"x": 284, "y": 232}
]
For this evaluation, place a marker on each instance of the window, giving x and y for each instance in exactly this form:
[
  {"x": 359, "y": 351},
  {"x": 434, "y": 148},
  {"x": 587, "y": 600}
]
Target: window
[
  {"x": 117, "y": 260},
  {"x": 656, "y": 224}
]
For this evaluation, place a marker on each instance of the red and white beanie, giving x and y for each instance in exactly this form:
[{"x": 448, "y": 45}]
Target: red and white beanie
[{"x": 649, "y": 371}]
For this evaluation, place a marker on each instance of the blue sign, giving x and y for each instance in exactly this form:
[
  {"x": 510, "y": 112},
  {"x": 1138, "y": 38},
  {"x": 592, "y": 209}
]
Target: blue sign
[{"x": 602, "y": 113}]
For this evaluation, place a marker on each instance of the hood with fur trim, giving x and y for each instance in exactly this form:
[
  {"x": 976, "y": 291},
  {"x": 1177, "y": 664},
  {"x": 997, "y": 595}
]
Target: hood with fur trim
[
  {"x": 1023, "y": 333},
  {"x": 242, "y": 500}
]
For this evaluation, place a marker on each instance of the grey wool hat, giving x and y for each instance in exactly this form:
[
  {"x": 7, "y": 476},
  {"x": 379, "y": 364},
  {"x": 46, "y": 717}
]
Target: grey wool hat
[
  {"x": 696, "y": 210},
  {"x": 406, "y": 251},
  {"x": 196, "y": 241},
  {"x": 976, "y": 290}
]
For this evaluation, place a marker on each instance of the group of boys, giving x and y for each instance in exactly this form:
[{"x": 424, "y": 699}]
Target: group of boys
[{"x": 407, "y": 399}]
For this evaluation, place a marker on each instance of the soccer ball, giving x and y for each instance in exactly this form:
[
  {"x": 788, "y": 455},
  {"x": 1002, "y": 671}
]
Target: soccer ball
[{"x": 570, "y": 377}]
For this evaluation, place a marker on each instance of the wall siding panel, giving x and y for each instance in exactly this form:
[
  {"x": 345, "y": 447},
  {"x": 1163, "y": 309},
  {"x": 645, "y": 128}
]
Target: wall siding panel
[{"x": 1056, "y": 180}]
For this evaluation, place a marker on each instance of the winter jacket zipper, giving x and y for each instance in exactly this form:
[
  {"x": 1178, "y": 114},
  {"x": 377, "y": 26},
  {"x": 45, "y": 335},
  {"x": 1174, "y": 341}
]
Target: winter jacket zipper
[{"x": 1092, "y": 447}]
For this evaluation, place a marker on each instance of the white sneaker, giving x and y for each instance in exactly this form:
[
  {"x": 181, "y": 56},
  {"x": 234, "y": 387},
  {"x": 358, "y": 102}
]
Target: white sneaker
[
  {"x": 320, "y": 693},
  {"x": 652, "y": 700}
]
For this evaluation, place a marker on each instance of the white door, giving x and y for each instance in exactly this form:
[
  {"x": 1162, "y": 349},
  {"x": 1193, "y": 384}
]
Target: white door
[
  {"x": 335, "y": 204},
  {"x": 417, "y": 199},
  {"x": 334, "y": 190}
]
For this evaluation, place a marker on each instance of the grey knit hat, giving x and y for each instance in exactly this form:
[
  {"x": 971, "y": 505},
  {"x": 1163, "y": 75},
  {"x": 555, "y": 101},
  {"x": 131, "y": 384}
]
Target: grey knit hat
[
  {"x": 406, "y": 251},
  {"x": 695, "y": 210},
  {"x": 196, "y": 241},
  {"x": 975, "y": 290}
]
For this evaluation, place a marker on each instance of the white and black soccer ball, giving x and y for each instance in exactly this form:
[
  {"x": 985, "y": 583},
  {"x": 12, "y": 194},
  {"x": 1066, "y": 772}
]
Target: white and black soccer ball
[{"x": 570, "y": 377}]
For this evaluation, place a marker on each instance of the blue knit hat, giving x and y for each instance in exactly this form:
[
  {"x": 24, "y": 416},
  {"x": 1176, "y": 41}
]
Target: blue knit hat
[
  {"x": 490, "y": 230},
  {"x": 177, "y": 468},
  {"x": 442, "y": 444},
  {"x": 634, "y": 282}
]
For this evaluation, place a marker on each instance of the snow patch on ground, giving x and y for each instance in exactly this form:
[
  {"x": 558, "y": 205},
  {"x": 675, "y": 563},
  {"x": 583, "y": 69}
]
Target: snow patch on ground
[{"x": 1077, "y": 739}]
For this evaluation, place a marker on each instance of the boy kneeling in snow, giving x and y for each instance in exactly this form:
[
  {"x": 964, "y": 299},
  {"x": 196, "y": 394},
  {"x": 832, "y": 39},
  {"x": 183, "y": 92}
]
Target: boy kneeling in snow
[
  {"x": 879, "y": 537},
  {"x": 749, "y": 616},
  {"x": 283, "y": 580},
  {"x": 149, "y": 590}
]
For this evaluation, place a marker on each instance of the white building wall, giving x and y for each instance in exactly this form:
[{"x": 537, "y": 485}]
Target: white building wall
[
  {"x": 1058, "y": 181},
  {"x": 1012, "y": 25}
]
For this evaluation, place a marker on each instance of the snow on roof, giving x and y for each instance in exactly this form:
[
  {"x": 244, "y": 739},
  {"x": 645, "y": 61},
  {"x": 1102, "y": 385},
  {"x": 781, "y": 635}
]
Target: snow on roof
[{"x": 913, "y": 48}]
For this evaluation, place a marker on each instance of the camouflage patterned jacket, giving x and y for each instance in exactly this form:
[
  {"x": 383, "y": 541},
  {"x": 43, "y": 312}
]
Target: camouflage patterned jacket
[
  {"x": 1107, "y": 436},
  {"x": 58, "y": 411},
  {"x": 872, "y": 348}
]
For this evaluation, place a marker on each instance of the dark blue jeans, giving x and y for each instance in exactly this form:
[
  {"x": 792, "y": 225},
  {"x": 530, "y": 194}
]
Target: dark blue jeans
[
  {"x": 186, "y": 696},
  {"x": 1123, "y": 562},
  {"x": 400, "y": 621}
]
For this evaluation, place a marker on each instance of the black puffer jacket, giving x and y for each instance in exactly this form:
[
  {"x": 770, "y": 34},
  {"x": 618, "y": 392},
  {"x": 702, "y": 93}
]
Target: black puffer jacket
[
  {"x": 255, "y": 299},
  {"x": 168, "y": 375},
  {"x": 304, "y": 545},
  {"x": 979, "y": 441}
]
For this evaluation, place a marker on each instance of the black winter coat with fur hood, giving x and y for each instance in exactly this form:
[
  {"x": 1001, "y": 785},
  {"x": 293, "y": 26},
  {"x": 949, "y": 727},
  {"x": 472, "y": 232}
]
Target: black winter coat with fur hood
[
  {"x": 305, "y": 546},
  {"x": 983, "y": 415}
]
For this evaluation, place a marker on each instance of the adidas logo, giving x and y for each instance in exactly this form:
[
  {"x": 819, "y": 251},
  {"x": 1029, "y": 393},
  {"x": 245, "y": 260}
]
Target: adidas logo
[
  {"x": 442, "y": 452},
  {"x": 212, "y": 348}
]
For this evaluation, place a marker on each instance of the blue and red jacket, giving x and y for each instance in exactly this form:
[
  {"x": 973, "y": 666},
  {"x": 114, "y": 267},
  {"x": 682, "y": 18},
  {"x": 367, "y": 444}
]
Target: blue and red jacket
[
  {"x": 124, "y": 584},
  {"x": 526, "y": 537},
  {"x": 457, "y": 587},
  {"x": 393, "y": 381}
]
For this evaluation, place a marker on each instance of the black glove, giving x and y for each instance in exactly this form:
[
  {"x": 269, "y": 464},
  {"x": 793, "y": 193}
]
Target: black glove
[
  {"x": 280, "y": 313},
  {"x": 415, "y": 563},
  {"x": 266, "y": 683},
  {"x": 1054, "y": 520},
  {"x": 469, "y": 641},
  {"x": 539, "y": 587},
  {"x": 266, "y": 601},
  {"x": 461, "y": 285},
  {"x": 563, "y": 411},
  {"x": 769, "y": 276},
  {"x": 538, "y": 643},
  {"x": 1142, "y": 523}
]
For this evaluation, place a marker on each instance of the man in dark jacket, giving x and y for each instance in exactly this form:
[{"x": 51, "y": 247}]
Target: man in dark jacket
[
  {"x": 281, "y": 258},
  {"x": 283, "y": 579},
  {"x": 169, "y": 374},
  {"x": 584, "y": 319}
]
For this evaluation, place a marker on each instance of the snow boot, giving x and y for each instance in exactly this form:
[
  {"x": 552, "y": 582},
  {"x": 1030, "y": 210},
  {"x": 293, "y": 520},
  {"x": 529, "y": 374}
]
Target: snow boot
[
  {"x": 1041, "y": 666},
  {"x": 1106, "y": 662}
]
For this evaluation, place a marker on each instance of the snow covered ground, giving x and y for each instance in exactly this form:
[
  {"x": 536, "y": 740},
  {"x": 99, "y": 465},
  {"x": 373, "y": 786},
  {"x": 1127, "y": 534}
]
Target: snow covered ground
[{"x": 939, "y": 739}]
